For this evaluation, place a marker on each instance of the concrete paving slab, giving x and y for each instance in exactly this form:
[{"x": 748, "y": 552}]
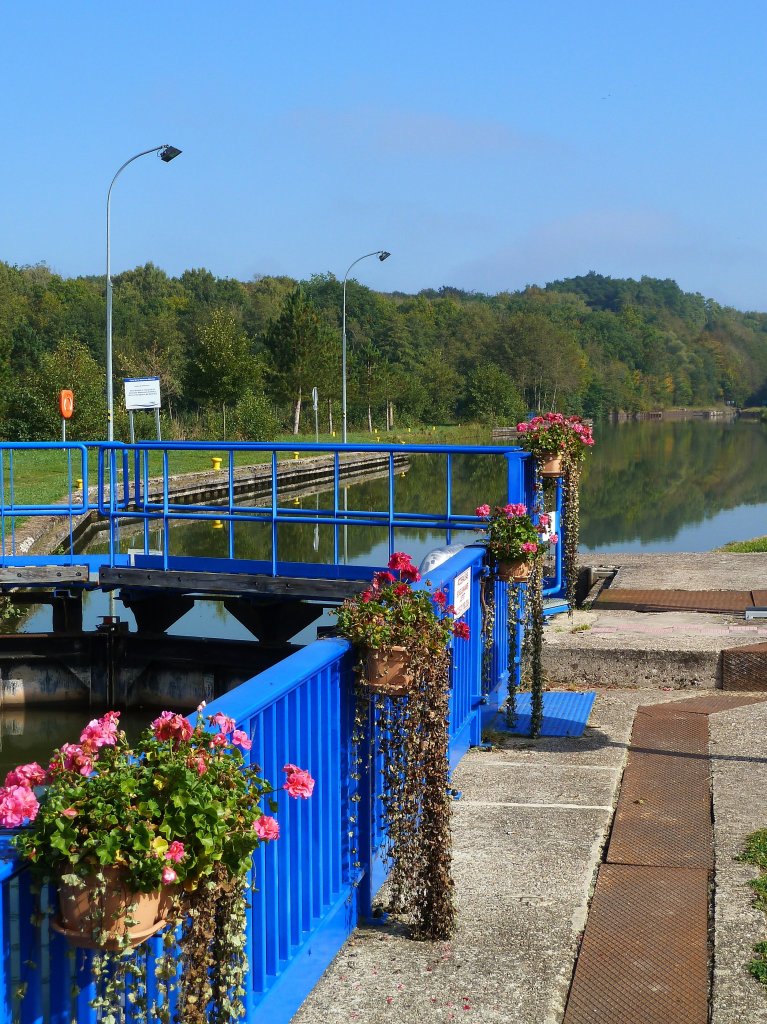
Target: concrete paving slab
[
  {"x": 739, "y": 780},
  {"x": 534, "y": 783},
  {"x": 707, "y": 570}
]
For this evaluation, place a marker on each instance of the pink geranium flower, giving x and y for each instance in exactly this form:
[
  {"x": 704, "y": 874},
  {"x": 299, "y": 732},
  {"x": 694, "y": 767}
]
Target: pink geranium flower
[
  {"x": 380, "y": 579},
  {"x": 461, "y": 630},
  {"x": 224, "y": 722},
  {"x": 169, "y": 876},
  {"x": 175, "y": 852},
  {"x": 266, "y": 828},
  {"x": 529, "y": 547},
  {"x": 400, "y": 560},
  {"x": 75, "y": 758},
  {"x": 298, "y": 783},
  {"x": 26, "y": 775},
  {"x": 241, "y": 739},
  {"x": 170, "y": 726},
  {"x": 17, "y": 805},
  {"x": 482, "y": 511},
  {"x": 101, "y": 732}
]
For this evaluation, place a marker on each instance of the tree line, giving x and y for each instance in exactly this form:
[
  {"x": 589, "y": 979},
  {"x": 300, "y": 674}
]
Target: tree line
[{"x": 244, "y": 356}]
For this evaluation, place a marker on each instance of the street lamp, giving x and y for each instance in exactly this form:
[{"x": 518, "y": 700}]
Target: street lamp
[
  {"x": 382, "y": 255},
  {"x": 166, "y": 154}
]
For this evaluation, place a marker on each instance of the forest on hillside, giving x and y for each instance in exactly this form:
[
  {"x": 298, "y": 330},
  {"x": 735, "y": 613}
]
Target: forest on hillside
[{"x": 252, "y": 351}]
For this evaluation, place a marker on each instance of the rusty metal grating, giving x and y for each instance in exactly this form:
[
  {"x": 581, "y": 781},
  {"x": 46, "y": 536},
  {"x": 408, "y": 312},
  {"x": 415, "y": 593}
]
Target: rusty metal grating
[
  {"x": 714, "y": 601},
  {"x": 745, "y": 668},
  {"x": 663, "y": 816},
  {"x": 708, "y": 705},
  {"x": 644, "y": 956}
]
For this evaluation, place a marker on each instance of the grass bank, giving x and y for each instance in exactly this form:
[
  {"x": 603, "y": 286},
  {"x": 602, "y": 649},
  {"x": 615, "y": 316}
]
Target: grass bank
[{"x": 746, "y": 546}]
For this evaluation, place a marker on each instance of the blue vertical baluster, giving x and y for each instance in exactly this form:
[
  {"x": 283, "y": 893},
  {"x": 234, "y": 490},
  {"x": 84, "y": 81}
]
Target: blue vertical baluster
[
  {"x": 231, "y": 502},
  {"x": 274, "y": 513},
  {"x": 165, "y": 514},
  {"x": 391, "y": 504},
  {"x": 449, "y": 497},
  {"x": 2, "y": 496},
  {"x": 12, "y": 502},
  {"x": 336, "y": 477}
]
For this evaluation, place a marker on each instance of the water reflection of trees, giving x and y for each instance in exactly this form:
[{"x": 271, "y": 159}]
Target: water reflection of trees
[
  {"x": 421, "y": 489},
  {"x": 643, "y": 481},
  {"x": 646, "y": 481}
]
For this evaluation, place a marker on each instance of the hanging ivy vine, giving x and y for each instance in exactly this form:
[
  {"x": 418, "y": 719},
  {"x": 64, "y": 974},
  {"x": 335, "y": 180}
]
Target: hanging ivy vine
[
  {"x": 571, "y": 525},
  {"x": 413, "y": 742},
  {"x": 513, "y": 592}
]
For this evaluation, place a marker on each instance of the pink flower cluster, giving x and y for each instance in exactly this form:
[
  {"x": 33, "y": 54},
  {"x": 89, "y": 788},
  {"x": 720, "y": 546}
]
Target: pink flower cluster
[
  {"x": 101, "y": 732},
  {"x": 299, "y": 782},
  {"x": 266, "y": 828},
  {"x": 27, "y": 775},
  {"x": 512, "y": 511},
  {"x": 17, "y": 801},
  {"x": 461, "y": 630},
  {"x": 172, "y": 727},
  {"x": 558, "y": 427},
  {"x": 402, "y": 564},
  {"x": 17, "y": 805},
  {"x": 239, "y": 738}
]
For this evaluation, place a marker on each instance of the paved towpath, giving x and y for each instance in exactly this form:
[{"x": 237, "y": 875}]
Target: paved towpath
[{"x": 529, "y": 833}]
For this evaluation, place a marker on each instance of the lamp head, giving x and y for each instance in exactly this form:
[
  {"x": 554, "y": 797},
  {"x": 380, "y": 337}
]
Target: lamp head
[
  {"x": 383, "y": 255},
  {"x": 168, "y": 153}
]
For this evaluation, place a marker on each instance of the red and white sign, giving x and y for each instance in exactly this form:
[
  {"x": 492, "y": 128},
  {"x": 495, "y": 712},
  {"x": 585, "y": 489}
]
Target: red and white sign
[{"x": 462, "y": 593}]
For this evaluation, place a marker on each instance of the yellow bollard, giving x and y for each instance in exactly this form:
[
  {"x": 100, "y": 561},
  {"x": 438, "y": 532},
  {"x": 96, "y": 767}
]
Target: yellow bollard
[
  {"x": 79, "y": 483},
  {"x": 295, "y": 455},
  {"x": 215, "y": 462},
  {"x": 296, "y": 501},
  {"x": 217, "y": 524}
]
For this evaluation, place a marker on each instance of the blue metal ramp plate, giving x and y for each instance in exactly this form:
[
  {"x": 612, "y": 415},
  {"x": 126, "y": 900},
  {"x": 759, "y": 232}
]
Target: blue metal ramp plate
[{"x": 564, "y": 713}]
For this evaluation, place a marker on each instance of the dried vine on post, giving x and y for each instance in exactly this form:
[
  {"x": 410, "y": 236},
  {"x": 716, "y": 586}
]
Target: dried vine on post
[{"x": 392, "y": 620}]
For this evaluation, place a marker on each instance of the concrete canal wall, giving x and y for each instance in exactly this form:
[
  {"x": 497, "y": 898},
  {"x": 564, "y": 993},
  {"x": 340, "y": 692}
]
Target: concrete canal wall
[{"x": 679, "y": 649}]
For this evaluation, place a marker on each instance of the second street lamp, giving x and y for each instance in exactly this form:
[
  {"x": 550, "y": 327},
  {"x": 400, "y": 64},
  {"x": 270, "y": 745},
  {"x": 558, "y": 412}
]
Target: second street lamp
[
  {"x": 382, "y": 255},
  {"x": 166, "y": 154}
]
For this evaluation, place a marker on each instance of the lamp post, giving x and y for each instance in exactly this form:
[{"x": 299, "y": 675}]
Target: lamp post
[
  {"x": 382, "y": 255},
  {"x": 166, "y": 153}
]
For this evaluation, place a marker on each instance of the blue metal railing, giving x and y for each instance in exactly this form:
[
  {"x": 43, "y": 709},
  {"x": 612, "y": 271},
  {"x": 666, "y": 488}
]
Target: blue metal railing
[
  {"x": 141, "y": 499},
  {"x": 314, "y": 883}
]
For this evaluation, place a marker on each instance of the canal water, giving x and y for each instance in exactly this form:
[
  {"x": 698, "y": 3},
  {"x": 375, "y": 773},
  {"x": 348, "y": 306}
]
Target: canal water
[{"x": 652, "y": 486}]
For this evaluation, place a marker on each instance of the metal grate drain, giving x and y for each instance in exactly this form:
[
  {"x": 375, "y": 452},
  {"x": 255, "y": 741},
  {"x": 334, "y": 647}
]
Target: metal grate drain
[
  {"x": 644, "y": 957},
  {"x": 745, "y": 668},
  {"x": 721, "y": 601},
  {"x": 664, "y": 810}
]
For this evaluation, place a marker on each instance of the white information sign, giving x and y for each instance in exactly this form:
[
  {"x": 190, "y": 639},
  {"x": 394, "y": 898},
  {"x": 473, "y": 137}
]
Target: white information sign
[
  {"x": 142, "y": 393},
  {"x": 462, "y": 598}
]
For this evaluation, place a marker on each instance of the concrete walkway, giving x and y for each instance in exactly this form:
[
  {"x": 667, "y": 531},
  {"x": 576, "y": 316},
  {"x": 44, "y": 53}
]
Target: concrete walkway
[{"x": 529, "y": 833}]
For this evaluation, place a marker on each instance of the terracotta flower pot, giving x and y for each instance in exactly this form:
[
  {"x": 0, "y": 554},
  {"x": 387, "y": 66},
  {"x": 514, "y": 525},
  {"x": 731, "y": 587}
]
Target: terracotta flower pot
[
  {"x": 87, "y": 910},
  {"x": 513, "y": 572},
  {"x": 387, "y": 671},
  {"x": 550, "y": 464}
]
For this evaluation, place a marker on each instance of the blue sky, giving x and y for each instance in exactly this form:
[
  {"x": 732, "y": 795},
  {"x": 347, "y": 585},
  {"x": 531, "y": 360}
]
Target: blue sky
[{"x": 486, "y": 144}]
